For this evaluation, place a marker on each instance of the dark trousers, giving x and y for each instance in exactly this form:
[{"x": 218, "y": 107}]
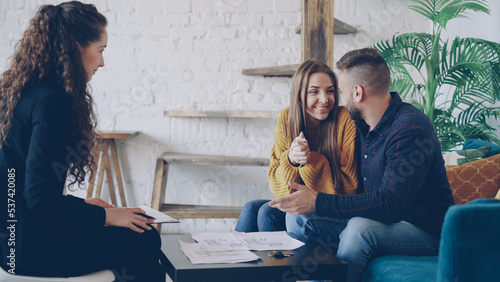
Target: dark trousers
[{"x": 130, "y": 255}]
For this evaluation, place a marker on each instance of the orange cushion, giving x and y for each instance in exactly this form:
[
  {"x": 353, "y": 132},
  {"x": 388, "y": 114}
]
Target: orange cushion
[{"x": 479, "y": 179}]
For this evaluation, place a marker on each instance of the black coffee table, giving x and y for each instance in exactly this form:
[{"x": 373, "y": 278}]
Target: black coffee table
[{"x": 309, "y": 262}]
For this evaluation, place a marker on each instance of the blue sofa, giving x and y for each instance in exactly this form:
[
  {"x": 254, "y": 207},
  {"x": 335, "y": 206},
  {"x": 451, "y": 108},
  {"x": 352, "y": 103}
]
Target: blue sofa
[{"x": 469, "y": 250}]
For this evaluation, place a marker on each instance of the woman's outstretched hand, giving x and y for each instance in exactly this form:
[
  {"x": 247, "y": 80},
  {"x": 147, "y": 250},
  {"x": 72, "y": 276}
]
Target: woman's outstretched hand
[
  {"x": 129, "y": 218},
  {"x": 299, "y": 151}
]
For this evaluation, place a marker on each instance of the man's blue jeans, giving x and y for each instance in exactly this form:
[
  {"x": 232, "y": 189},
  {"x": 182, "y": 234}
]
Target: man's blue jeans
[
  {"x": 359, "y": 240},
  {"x": 257, "y": 215}
]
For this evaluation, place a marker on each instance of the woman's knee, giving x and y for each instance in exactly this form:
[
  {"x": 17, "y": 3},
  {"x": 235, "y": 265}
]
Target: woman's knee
[
  {"x": 268, "y": 212},
  {"x": 251, "y": 209},
  {"x": 270, "y": 219},
  {"x": 148, "y": 241},
  {"x": 254, "y": 206},
  {"x": 152, "y": 238},
  {"x": 247, "y": 221}
]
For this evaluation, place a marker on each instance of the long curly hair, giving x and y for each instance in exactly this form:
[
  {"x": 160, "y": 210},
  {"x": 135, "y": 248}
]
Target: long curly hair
[
  {"x": 49, "y": 49},
  {"x": 297, "y": 120}
]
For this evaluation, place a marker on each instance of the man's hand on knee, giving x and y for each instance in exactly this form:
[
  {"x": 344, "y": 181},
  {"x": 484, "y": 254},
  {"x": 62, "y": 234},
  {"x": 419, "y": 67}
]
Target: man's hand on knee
[{"x": 300, "y": 202}]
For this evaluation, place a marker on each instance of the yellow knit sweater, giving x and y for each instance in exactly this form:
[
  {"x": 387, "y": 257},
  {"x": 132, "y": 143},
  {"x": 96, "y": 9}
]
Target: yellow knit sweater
[{"x": 316, "y": 174}]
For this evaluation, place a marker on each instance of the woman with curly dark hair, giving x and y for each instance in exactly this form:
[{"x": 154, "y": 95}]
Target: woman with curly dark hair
[{"x": 46, "y": 136}]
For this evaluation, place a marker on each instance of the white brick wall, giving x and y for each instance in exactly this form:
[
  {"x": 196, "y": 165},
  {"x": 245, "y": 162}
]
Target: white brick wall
[{"x": 180, "y": 55}]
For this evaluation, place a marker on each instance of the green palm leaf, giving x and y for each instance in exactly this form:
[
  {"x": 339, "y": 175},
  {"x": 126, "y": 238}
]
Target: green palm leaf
[
  {"x": 410, "y": 53},
  {"x": 472, "y": 122},
  {"x": 466, "y": 72},
  {"x": 442, "y": 11}
]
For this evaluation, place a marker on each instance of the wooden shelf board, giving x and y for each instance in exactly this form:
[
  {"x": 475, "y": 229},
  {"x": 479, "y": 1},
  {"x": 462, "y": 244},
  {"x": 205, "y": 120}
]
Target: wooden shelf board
[
  {"x": 223, "y": 114},
  {"x": 340, "y": 27},
  {"x": 199, "y": 211},
  {"x": 287, "y": 71},
  {"x": 193, "y": 159},
  {"x": 117, "y": 134}
]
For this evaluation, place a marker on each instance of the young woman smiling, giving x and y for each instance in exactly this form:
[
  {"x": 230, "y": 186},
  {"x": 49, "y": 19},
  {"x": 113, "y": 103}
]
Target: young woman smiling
[{"x": 315, "y": 144}]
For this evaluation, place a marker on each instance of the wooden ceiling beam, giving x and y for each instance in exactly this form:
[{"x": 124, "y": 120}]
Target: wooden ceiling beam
[{"x": 317, "y": 30}]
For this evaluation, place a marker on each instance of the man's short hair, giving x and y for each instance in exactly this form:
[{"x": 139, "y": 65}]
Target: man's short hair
[{"x": 366, "y": 67}]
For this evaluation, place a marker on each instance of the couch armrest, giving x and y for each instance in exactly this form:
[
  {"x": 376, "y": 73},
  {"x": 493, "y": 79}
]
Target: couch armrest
[{"x": 470, "y": 242}]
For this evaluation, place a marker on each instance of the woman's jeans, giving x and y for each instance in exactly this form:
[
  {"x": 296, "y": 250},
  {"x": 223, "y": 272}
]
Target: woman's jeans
[
  {"x": 257, "y": 215},
  {"x": 359, "y": 240}
]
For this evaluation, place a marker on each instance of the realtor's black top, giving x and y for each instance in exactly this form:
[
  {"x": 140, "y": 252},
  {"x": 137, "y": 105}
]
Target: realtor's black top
[{"x": 34, "y": 214}]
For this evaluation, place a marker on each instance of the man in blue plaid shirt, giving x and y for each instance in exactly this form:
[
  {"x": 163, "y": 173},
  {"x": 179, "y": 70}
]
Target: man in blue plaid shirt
[{"x": 401, "y": 167}]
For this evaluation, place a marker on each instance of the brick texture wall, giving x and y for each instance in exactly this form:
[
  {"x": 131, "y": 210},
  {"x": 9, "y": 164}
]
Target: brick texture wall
[{"x": 188, "y": 55}]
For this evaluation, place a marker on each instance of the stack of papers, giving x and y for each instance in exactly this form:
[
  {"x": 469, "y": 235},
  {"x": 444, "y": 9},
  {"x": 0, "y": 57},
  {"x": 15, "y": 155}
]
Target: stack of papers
[
  {"x": 225, "y": 247},
  {"x": 198, "y": 255},
  {"x": 218, "y": 241},
  {"x": 268, "y": 241}
]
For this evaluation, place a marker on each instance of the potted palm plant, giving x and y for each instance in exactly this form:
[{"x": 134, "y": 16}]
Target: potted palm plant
[{"x": 465, "y": 72}]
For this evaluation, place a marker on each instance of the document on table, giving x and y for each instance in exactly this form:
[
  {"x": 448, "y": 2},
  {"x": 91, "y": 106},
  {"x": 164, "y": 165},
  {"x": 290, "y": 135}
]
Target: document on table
[
  {"x": 268, "y": 241},
  {"x": 218, "y": 241},
  {"x": 225, "y": 247},
  {"x": 198, "y": 255},
  {"x": 158, "y": 216}
]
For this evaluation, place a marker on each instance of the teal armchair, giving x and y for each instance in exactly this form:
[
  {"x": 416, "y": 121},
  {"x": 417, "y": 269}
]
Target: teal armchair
[{"x": 469, "y": 250}]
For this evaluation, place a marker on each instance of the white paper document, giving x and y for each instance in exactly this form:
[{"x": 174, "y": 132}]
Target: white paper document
[
  {"x": 218, "y": 241},
  {"x": 158, "y": 216},
  {"x": 198, "y": 255},
  {"x": 268, "y": 241},
  {"x": 225, "y": 247}
]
